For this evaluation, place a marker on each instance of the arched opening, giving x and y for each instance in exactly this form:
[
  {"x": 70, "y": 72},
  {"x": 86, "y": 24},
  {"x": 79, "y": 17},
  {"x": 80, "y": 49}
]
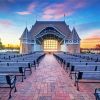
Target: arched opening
[
  {"x": 51, "y": 43},
  {"x": 50, "y": 39}
]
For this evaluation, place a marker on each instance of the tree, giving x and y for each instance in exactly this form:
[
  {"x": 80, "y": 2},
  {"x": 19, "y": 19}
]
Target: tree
[
  {"x": 98, "y": 46},
  {"x": 1, "y": 46}
]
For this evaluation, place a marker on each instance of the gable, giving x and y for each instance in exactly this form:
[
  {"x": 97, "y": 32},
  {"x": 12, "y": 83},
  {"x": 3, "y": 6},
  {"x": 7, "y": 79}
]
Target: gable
[{"x": 60, "y": 26}]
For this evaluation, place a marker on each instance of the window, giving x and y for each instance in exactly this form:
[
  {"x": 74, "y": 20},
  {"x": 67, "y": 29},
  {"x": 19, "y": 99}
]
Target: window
[
  {"x": 50, "y": 45},
  {"x": 75, "y": 41},
  {"x": 70, "y": 41}
]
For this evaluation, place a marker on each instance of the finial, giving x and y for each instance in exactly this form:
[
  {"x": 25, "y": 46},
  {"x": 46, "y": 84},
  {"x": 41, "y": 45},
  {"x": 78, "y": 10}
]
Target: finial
[
  {"x": 36, "y": 17},
  {"x": 26, "y": 22},
  {"x": 64, "y": 16}
]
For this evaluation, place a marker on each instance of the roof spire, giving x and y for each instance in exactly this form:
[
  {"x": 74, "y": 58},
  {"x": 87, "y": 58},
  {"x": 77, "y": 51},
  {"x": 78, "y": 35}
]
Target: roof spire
[
  {"x": 75, "y": 34},
  {"x": 24, "y": 35},
  {"x": 64, "y": 16},
  {"x": 36, "y": 17},
  {"x": 26, "y": 22},
  {"x": 74, "y": 30}
]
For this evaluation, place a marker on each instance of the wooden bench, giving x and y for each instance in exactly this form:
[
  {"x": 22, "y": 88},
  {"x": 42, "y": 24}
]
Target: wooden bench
[
  {"x": 97, "y": 93},
  {"x": 8, "y": 81},
  {"x": 15, "y": 70},
  {"x": 77, "y": 68},
  {"x": 86, "y": 76},
  {"x": 27, "y": 65}
]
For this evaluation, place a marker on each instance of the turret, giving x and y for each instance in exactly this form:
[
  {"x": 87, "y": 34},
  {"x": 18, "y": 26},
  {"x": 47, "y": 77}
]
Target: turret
[
  {"x": 25, "y": 34},
  {"x": 75, "y": 36},
  {"x": 24, "y": 42}
]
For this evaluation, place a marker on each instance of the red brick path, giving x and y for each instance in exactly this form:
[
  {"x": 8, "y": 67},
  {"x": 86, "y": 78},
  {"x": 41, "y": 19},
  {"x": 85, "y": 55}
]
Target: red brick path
[{"x": 51, "y": 82}]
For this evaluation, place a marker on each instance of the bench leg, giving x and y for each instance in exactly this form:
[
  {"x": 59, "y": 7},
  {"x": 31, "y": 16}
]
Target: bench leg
[
  {"x": 70, "y": 75},
  {"x": 75, "y": 80},
  {"x": 30, "y": 70},
  {"x": 23, "y": 74},
  {"x": 15, "y": 85},
  {"x": 10, "y": 92},
  {"x": 22, "y": 77},
  {"x": 15, "y": 89},
  {"x": 96, "y": 97},
  {"x": 77, "y": 85},
  {"x": 66, "y": 68}
]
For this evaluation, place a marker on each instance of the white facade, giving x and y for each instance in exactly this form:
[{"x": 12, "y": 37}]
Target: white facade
[{"x": 32, "y": 40}]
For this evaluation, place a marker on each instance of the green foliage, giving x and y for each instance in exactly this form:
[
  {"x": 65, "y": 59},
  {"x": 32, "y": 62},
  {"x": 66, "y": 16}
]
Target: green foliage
[{"x": 1, "y": 45}]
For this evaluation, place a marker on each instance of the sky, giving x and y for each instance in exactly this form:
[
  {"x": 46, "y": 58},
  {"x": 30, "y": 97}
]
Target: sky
[{"x": 84, "y": 15}]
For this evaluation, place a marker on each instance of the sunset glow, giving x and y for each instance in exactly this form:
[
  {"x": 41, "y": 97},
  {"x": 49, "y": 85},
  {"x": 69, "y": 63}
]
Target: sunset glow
[
  {"x": 90, "y": 43},
  {"x": 84, "y": 15}
]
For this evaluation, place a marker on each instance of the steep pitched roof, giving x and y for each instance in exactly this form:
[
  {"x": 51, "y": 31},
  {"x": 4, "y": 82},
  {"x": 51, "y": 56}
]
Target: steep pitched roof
[
  {"x": 75, "y": 34},
  {"x": 25, "y": 34},
  {"x": 61, "y": 26}
]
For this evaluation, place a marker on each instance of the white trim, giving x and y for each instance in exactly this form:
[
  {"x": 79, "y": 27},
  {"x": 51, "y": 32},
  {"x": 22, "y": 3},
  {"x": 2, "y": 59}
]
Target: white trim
[
  {"x": 72, "y": 43},
  {"x": 52, "y": 27},
  {"x": 47, "y": 33},
  {"x": 27, "y": 42}
]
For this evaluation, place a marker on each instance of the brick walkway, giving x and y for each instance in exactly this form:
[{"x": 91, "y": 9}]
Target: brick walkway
[{"x": 51, "y": 82}]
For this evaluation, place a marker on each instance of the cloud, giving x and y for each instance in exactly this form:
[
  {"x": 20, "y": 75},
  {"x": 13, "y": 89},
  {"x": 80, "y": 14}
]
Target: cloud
[
  {"x": 57, "y": 10},
  {"x": 80, "y": 4},
  {"x": 29, "y": 10},
  {"x": 6, "y": 23},
  {"x": 46, "y": 16},
  {"x": 31, "y": 7},
  {"x": 24, "y": 13},
  {"x": 91, "y": 40},
  {"x": 52, "y": 12},
  {"x": 94, "y": 34}
]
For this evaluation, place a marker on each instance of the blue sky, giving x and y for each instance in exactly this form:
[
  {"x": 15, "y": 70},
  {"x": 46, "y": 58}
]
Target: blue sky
[{"x": 84, "y": 15}]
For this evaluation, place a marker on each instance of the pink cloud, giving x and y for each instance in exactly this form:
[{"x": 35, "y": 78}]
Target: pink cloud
[
  {"x": 31, "y": 7},
  {"x": 53, "y": 11},
  {"x": 29, "y": 10},
  {"x": 80, "y": 4},
  {"x": 47, "y": 17},
  {"x": 5, "y": 23},
  {"x": 49, "y": 11},
  {"x": 57, "y": 11},
  {"x": 55, "y": 8},
  {"x": 24, "y": 13},
  {"x": 94, "y": 34}
]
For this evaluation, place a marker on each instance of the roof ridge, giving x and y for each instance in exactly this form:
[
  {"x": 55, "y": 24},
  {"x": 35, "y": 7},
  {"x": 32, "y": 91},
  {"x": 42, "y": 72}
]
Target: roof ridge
[{"x": 50, "y": 21}]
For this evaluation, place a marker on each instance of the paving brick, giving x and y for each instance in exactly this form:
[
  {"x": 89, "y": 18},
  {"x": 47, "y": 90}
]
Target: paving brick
[{"x": 50, "y": 82}]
